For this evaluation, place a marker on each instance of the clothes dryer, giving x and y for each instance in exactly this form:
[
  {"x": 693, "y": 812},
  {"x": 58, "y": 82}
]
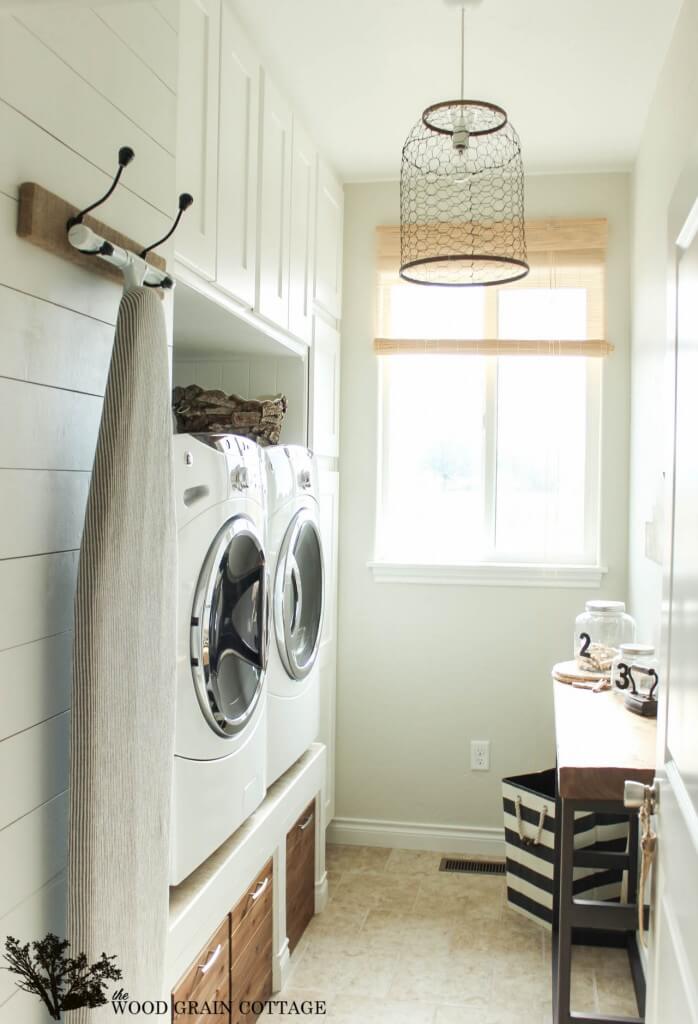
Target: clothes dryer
[
  {"x": 222, "y": 629},
  {"x": 297, "y": 574}
]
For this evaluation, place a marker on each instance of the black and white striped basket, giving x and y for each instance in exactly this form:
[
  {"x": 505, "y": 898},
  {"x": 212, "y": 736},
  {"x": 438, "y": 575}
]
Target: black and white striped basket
[{"x": 529, "y": 829}]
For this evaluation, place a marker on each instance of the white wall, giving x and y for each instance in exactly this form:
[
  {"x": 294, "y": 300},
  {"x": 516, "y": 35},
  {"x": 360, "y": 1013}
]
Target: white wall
[
  {"x": 423, "y": 669},
  {"x": 670, "y": 133},
  {"x": 75, "y": 85}
]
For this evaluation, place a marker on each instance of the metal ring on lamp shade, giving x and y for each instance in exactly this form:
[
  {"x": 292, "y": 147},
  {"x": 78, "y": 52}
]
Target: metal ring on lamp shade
[
  {"x": 462, "y": 208},
  {"x": 485, "y": 118}
]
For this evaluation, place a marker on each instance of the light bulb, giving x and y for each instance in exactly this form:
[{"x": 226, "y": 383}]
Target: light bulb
[{"x": 460, "y": 139}]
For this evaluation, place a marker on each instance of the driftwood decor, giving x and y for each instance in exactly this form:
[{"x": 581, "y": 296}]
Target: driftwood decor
[
  {"x": 42, "y": 220},
  {"x": 214, "y": 412}
]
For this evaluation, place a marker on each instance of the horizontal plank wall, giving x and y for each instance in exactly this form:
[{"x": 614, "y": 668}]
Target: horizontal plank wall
[{"x": 75, "y": 85}]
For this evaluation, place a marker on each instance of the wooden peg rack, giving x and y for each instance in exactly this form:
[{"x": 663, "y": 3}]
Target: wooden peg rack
[{"x": 42, "y": 220}]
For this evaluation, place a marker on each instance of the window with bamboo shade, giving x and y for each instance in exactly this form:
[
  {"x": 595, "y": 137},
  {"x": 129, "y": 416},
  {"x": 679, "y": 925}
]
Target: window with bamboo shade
[
  {"x": 559, "y": 308},
  {"x": 503, "y": 452}
]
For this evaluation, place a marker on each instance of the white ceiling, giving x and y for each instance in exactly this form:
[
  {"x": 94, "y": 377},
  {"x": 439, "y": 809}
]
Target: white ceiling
[{"x": 576, "y": 76}]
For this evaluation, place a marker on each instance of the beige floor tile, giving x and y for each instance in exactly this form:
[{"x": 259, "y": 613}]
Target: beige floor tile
[
  {"x": 486, "y": 1015},
  {"x": 517, "y": 982},
  {"x": 336, "y": 972},
  {"x": 442, "y": 881},
  {"x": 428, "y": 933},
  {"x": 356, "y": 858},
  {"x": 352, "y": 1010},
  {"x": 437, "y": 978},
  {"x": 336, "y": 917},
  {"x": 383, "y": 931},
  {"x": 500, "y": 936},
  {"x": 459, "y": 1015},
  {"x": 471, "y": 897},
  {"x": 402, "y": 943},
  {"x": 375, "y": 890},
  {"x": 583, "y": 991},
  {"x": 413, "y": 862},
  {"x": 616, "y": 995}
]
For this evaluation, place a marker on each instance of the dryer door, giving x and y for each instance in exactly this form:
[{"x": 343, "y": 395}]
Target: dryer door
[
  {"x": 229, "y": 627},
  {"x": 299, "y": 595}
]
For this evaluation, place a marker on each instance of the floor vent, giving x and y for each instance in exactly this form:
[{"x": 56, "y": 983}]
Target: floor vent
[{"x": 477, "y": 867}]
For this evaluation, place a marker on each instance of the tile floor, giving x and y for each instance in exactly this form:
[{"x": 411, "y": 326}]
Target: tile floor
[{"x": 402, "y": 943}]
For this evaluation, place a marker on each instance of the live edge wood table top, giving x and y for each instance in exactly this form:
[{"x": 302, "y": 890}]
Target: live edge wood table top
[{"x": 600, "y": 744}]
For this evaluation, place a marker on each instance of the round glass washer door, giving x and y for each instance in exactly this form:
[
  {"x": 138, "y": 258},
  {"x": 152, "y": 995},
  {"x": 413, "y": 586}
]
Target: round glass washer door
[
  {"x": 229, "y": 627},
  {"x": 299, "y": 596}
]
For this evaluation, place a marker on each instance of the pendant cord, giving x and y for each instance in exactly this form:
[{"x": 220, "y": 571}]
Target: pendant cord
[{"x": 462, "y": 53}]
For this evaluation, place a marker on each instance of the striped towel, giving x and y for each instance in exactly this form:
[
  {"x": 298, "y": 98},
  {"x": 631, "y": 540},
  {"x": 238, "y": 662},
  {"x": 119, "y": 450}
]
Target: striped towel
[{"x": 123, "y": 677}]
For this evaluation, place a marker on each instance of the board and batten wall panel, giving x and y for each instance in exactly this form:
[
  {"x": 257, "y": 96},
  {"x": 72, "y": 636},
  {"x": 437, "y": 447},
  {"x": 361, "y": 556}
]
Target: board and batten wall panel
[{"x": 72, "y": 91}]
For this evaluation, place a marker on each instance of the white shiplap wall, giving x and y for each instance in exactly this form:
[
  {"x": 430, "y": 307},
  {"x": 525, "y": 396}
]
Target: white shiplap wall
[{"x": 75, "y": 84}]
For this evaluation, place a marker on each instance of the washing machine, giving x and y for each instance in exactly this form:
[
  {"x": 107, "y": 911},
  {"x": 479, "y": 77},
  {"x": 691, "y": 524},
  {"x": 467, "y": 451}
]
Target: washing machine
[
  {"x": 297, "y": 587},
  {"x": 222, "y": 642}
]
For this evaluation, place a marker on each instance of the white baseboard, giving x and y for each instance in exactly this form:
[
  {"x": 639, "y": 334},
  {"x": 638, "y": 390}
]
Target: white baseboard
[
  {"x": 410, "y": 835},
  {"x": 280, "y": 967},
  {"x": 322, "y": 894}
]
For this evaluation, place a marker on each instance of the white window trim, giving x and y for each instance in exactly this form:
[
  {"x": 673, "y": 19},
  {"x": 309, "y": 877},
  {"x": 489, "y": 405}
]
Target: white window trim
[
  {"x": 491, "y": 574},
  {"x": 498, "y": 572}
]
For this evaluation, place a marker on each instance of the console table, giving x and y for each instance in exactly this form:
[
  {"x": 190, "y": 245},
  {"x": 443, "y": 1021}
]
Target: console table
[{"x": 599, "y": 746}]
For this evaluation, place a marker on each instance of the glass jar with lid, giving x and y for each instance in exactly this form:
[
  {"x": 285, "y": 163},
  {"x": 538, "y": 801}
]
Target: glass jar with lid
[
  {"x": 635, "y": 669},
  {"x": 635, "y": 678},
  {"x": 605, "y": 623}
]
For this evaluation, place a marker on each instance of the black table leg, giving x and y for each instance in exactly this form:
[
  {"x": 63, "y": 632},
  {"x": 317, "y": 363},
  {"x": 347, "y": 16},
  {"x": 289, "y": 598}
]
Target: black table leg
[
  {"x": 590, "y": 921},
  {"x": 561, "y": 1014}
]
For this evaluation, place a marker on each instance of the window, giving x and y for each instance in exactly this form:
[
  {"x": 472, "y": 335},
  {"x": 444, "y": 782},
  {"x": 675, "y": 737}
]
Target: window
[{"x": 490, "y": 421}]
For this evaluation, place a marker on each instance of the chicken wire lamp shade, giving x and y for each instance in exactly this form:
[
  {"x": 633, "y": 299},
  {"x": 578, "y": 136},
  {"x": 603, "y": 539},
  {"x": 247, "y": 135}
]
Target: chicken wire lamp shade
[{"x": 462, "y": 197}]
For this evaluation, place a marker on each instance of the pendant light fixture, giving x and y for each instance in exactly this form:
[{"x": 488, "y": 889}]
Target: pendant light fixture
[{"x": 462, "y": 194}]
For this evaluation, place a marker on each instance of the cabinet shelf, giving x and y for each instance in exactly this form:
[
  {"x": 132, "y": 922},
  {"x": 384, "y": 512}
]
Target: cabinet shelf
[{"x": 208, "y": 323}]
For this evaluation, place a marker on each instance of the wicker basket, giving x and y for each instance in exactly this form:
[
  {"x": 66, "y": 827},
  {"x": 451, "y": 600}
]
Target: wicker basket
[{"x": 198, "y": 411}]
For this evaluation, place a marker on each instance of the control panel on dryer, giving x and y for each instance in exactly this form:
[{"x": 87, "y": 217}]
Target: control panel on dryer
[
  {"x": 245, "y": 468},
  {"x": 304, "y": 471}
]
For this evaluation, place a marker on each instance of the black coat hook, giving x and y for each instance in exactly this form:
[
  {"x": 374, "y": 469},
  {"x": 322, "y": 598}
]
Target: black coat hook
[
  {"x": 126, "y": 155},
  {"x": 185, "y": 201}
]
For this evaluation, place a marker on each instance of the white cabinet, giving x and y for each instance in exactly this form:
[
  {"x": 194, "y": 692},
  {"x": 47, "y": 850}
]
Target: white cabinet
[
  {"x": 328, "y": 242},
  {"x": 329, "y": 532},
  {"x": 324, "y": 389},
  {"x": 237, "y": 162},
  {"x": 302, "y": 243},
  {"x": 274, "y": 205},
  {"x": 197, "y": 132}
]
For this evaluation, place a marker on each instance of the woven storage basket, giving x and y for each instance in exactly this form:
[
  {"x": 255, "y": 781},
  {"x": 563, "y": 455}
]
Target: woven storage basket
[
  {"x": 530, "y": 846},
  {"x": 213, "y": 412}
]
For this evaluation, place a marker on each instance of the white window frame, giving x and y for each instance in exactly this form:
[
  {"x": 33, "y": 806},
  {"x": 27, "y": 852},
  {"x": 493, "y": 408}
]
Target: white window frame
[{"x": 494, "y": 569}]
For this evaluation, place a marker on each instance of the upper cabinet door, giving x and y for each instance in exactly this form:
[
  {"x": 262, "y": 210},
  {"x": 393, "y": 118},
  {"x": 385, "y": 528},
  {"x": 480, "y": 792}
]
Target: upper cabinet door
[
  {"x": 275, "y": 205},
  {"x": 324, "y": 390},
  {"x": 328, "y": 246},
  {"x": 237, "y": 162},
  {"x": 302, "y": 256},
  {"x": 197, "y": 132}
]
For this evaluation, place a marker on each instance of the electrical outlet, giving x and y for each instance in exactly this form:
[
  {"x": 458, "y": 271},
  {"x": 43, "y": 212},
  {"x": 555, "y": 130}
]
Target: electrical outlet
[{"x": 480, "y": 755}]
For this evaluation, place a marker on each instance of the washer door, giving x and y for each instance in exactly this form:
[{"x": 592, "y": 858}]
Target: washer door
[
  {"x": 229, "y": 627},
  {"x": 299, "y": 596}
]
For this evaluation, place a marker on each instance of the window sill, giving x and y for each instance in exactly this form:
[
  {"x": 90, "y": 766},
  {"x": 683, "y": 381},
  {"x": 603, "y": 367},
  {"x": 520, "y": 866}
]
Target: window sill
[{"x": 491, "y": 574}]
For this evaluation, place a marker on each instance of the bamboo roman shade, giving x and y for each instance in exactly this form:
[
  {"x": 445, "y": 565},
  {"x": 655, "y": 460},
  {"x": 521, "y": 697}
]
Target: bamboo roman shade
[{"x": 569, "y": 254}]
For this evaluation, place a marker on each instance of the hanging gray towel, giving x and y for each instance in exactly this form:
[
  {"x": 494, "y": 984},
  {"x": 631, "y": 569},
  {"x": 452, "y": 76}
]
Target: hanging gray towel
[{"x": 124, "y": 662}]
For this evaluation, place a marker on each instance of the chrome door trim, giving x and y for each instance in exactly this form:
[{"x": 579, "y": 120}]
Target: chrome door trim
[
  {"x": 239, "y": 526},
  {"x": 285, "y": 627}
]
